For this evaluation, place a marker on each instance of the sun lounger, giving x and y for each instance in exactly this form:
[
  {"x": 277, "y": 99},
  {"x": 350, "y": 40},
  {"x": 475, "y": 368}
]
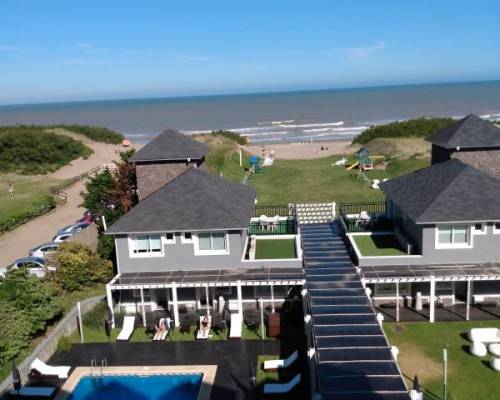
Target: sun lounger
[
  {"x": 38, "y": 366},
  {"x": 33, "y": 392},
  {"x": 128, "y": 328},
  {"x": 236, "y": 326},
  {"x": 273, "y": 365},
  {"x": 162, "y": 334},
  {"x": 485, "y": 335},
  {"x": 280, "y": 388},
  {"x": 203, "y": 331}
]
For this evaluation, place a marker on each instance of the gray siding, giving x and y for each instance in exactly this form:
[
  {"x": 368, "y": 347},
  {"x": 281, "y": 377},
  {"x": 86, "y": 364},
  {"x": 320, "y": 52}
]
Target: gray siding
[{"x": 180, "y": 256}]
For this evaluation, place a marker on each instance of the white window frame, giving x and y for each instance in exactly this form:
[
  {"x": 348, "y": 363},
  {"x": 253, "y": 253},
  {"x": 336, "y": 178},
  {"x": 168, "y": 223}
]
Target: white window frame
[
  {"x": 198, "y": 252},
  {"x": 496, "y": 231},
  {"x": 132, "y": 243},
  {"x": 452, "y": 245},
  {"x": 483, "y": 231},
  {"x": 183, "y": 238},
  {"x": 170, "y": 241}
]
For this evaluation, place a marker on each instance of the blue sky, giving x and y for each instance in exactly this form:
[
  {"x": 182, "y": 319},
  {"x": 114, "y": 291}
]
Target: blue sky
[{"x": 67, "y": 50}]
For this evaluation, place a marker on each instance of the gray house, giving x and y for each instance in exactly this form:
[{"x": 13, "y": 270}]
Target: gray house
[{"x": 186, "y": 244}]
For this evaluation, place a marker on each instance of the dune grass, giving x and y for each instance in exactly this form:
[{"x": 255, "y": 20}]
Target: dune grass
[{"x": 421, "y": 347}]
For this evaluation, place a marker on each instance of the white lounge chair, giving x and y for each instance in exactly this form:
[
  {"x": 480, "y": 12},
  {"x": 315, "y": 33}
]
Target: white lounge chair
[
  {"x": 484, "y": 335},
  {"x": 495, "y": 363},
  {"x": 273, "y": 365},
  {"x": 203, "y": 332},
  {"x": 128, "y": 328},
  {"x": 48, "y": 370},
  {"x": 280, "y": 388},
  {"x": 236, "y": 326},
  {"x": 34, "y": 392},
  {"x": 478, "y": 349}
]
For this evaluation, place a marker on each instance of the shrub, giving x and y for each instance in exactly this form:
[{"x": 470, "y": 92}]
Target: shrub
[
  {"x": 235, "y": 137},
  {"x": 95, "y": 133},
  {"x": 419, "y": 127},
  {"x": 32, "y": 150},
  {"x": 78, "y": 266},
  {"x": 95, "y": 318},
  {"x": 64, "y": 344},
  {"x": 14, "y": 332}
]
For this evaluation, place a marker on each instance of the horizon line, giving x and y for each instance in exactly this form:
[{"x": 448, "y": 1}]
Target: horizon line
[{"x": 243, "y": 93}]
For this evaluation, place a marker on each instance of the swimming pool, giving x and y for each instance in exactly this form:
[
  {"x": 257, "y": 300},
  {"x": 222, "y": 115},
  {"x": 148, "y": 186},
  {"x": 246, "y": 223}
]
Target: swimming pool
[{"x": 138, "y": 387}]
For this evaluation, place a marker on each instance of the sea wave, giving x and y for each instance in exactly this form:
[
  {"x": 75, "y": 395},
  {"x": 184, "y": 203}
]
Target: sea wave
[{"x": 337, "y": 123}]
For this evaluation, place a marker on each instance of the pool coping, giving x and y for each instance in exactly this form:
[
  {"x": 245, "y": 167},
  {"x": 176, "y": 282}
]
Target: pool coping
[{"x": 204, "y": 393}]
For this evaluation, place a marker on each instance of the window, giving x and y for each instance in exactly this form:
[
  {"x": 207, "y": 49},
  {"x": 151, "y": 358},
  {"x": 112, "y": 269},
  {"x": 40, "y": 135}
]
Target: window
[
  {"x": 146, "y": 292},
  {"x": 145, "y": 245},
  {"x": 479, "y": 229},
  {"x": 389, "y": 289},
  {"x": 169, "y": 237},
  {"x": 452, "y": 236},
  {"x": 211, "y": 243},
  {"x": 187, "y": 237}
]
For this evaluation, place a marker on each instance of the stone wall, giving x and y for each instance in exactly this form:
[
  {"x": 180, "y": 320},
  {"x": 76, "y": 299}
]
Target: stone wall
[
  {"x": 485, "y": 160},
  {"x": 153, "y": 176}
]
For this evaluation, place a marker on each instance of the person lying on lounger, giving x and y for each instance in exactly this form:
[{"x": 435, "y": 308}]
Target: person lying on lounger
[
  {"x": 204, "y": 325},
  {"x": 159, "y": 330}
]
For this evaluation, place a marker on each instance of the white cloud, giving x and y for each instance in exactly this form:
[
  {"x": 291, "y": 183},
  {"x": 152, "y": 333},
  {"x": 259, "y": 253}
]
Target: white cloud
[
  {"x": 83, "y": 61},
  {"x": 85, "y": 45},
  {"x": 366, "y": 51}
]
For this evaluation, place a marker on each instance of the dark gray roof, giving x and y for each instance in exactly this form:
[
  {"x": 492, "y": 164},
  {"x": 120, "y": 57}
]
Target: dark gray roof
[
  {"x": 195, "y": 200},
  {"x": 171, "y": 145},
  {"x": 468, "y": 133},
  {"x": 450, "y": 191}
]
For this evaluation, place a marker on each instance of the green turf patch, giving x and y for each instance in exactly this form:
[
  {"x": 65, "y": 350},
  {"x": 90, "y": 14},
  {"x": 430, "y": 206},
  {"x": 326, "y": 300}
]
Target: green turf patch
[
  {"x": 275, "y": 248},
  {"x": 378, "y": 245}
]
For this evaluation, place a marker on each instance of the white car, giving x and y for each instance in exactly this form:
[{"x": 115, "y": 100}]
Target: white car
[
  {"x": 34, "y": 266},
  {"x": 44, "y": 249},
  {"x": 62, "y": 237}
]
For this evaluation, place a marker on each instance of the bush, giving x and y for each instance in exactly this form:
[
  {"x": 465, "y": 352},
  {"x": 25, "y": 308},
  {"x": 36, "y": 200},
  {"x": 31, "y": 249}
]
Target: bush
[
  {"x": 42, "y": 204},
  {"x": 64, "y": 344},
  {"x": 95, "y": 133},
  {"x": 78, "y": 266},
  {"x": 235, "y": 137},
  {"x": 94, "y": 319},
  {"x": 14, "y": 332},
  {"x": 419, "y": 127},
  {"x": 32, "y": 150}
]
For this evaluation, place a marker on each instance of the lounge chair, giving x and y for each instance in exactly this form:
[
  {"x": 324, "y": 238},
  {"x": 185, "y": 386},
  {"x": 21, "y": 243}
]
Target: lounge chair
[
  {"x": 485, "y": 335},
  {"x": 33, "y": 392},
  {"x": 38, "y": 367},
  {"x": 162, "y": 335},
  {"x": 280, "y": 388},
  {"x": 128, "y": 328},
  {"x": 273, "y": 365},
  {"x": 203, "y": 331},
  {"x": 236, "y": 326}
]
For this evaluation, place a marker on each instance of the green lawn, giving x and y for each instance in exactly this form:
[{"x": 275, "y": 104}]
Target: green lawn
[
  {"x": 378, "y": 245},
  {"x": 421, "y": 344},
  {"x": 275, "y": 248},
  {"x": 302, "y": 181}
]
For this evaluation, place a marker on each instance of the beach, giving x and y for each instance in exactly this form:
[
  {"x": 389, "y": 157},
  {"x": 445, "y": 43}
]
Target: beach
[{"x": 302, "y": 151}]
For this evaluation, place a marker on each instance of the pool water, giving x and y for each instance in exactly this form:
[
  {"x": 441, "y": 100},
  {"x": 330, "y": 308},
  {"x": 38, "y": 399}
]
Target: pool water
[{"x": 136, "y": 387}]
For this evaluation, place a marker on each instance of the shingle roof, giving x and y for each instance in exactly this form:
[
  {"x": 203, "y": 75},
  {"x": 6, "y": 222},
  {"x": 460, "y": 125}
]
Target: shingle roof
[
  {"x": 469, "y": 132},
  {"x": 171, "y": 145},
  {"x": 450, "y": 191},
  {"x": 195, "y": 200}
]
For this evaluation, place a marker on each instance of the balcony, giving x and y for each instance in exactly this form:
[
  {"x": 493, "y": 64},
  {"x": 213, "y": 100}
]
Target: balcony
[{"x": 273, "y": 220}]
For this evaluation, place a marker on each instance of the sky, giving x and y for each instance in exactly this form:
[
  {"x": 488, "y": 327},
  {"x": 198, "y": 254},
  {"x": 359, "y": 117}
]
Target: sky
[{"x": 61, "y": 50}]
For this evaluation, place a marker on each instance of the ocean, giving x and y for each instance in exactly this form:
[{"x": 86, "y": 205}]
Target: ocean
[{"x": 303, "y": 116}]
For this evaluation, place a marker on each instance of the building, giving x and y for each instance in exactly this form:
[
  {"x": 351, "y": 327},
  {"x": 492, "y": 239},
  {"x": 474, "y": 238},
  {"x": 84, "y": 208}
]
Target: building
[
  {"x": 191, "y": 242},
  {"x": 444, "y": 220}
]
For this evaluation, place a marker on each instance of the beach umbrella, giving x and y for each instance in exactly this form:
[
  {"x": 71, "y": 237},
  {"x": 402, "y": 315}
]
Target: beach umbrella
[
  {"x": 107, "y": 328},
  {"x": 16, "y": 377},
  {"x": 125, "y": 143}
]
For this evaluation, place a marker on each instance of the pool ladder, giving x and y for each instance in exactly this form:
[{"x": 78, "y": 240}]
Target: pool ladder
[{"x": 93, "y": 366}]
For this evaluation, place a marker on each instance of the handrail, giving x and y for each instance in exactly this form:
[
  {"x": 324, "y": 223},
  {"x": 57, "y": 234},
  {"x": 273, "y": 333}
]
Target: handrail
[
  {"x": 104, "y": 363},
  {"x": 93, "y": 364}
]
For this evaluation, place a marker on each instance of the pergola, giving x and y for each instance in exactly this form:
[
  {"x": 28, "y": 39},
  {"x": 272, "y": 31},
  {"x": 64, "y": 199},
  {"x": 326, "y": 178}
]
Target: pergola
[
  {"x": 432, "y": 274},
  {"x": 175, "y": 280}
]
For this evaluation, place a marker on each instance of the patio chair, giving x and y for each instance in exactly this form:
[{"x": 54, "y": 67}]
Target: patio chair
[
  {"x": 236, "y": 327},
  {"x": 128, "y": 328},
  {"x": 33, "y": 392},
  {"x": 274, "y": 365},
  {"x": 204, "y": 330},
  {"x": 39, "y": 368},
  {"x": 281, "y": 388}
]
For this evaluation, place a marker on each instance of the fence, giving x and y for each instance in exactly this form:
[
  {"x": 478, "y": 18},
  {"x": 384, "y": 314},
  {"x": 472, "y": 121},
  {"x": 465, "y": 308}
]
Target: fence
[
  {"x": 274, "y": 228},
  {"x": 379, "y": 224},
  {"x": 88, "y": 236},
  {"x": 61, "y": 195},
  {"x": 272, "y": 211},
  {"x": 356, "y": 208},
  {"x": 48, "y": 346}
]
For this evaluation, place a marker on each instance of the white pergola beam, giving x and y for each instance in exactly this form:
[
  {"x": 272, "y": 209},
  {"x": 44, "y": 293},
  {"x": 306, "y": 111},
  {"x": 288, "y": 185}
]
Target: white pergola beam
[
  {"x": 432, "y": 295},
  {"x": 175, "y": 305}
]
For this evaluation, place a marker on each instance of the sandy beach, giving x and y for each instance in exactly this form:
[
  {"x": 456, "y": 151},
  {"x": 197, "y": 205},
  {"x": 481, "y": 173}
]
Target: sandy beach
[{"x": 302, "y": 151}]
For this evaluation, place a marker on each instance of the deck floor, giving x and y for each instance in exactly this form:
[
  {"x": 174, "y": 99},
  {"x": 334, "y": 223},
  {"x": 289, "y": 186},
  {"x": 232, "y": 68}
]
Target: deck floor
[{"x": 451, "y": 313}]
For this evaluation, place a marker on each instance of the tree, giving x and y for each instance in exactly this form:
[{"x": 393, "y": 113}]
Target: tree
[
  {"x": 14, "y": 332},
  {"x": 78, "y": 266}
]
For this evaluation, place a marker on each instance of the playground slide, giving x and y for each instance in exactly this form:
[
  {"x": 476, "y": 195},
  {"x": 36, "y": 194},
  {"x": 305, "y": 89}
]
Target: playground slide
[{"x": 352, "y": 166}]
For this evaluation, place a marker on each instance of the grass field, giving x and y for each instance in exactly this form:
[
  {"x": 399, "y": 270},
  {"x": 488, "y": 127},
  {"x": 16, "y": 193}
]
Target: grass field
[
  {"x": 378, "y": 245},
  {"x": 420, "y": 352},
  {"x": 302, "y": 181},
  {"x": 275, "y": 248}
]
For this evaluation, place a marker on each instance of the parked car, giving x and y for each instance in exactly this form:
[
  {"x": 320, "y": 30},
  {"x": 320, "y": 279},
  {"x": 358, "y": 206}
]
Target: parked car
[
  {"x": 43, "y": 249},
  {"x": 34, "y": 265},
  {"x": 73, "y": 228},
  {"x": 86, "y": 219},
  {"x": 62, "y": 237}
]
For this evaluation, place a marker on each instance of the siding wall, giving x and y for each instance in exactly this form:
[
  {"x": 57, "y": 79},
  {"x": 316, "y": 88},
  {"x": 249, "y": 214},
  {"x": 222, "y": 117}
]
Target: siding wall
[{"x": 485, "y": 160}]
